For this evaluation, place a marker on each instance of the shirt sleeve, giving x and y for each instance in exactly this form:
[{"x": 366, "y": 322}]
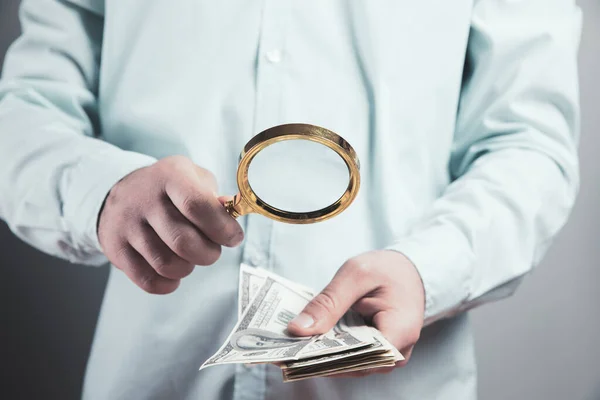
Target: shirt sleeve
[
  {"x": 513, "y": 167},
  {"x": 55, "y": 171}
]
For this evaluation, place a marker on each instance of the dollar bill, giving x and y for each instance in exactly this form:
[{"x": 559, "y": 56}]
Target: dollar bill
[
  {"x": 379, "y": 354},
  {"x": 349, "y": 333},
  {"x": 252, "y": 278},
  {"x": 261, "y": 333},
  {"x": 379, "y": 346},
  {"x": 309, "y": 372}
]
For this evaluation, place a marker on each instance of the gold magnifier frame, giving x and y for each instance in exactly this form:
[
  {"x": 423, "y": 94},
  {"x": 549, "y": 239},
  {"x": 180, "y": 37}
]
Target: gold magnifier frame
[{"x": 246, "y": 201}]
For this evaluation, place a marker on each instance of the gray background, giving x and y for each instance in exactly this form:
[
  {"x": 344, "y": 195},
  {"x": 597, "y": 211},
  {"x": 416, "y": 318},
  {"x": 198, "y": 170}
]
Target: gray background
[{"x": 540, "y": 344}]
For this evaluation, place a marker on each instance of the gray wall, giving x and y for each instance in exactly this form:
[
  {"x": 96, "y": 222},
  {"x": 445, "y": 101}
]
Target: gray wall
[
  {"x": 543, "y": 342},
  {"x": 540, "y": 344},
  {"x": 48, "y": 308}
]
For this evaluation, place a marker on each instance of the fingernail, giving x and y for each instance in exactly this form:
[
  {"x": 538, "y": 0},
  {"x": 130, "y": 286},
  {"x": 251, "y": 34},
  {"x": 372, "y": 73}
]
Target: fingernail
[{"x": 303, "y": 321}]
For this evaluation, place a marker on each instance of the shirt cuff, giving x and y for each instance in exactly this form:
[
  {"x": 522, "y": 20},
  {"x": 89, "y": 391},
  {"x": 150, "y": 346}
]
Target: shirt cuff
[
  {"x": 444, "y": 260},
  {"x": 85, "y": 188}
]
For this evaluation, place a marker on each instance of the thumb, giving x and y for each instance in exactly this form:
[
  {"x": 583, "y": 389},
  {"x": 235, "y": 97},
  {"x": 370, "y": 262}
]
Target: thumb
[
  {"x": 224, "y": 199},
  {"x": 326, "y": 309}
]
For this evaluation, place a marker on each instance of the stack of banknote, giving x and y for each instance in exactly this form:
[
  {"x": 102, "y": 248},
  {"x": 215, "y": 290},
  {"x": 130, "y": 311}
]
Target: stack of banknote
[{"x": 266, "y": 303}]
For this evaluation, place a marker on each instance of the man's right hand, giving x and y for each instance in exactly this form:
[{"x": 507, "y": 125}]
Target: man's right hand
[{"x": 160, "y": 221}]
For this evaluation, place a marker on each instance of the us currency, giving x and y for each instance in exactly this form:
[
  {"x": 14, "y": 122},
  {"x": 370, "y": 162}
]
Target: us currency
[
  {"x": 376, "y": 348},
  {"x": 252, "y": 278},
  {"x": 266, "y": 304},
  {"x": 379, "y": 354},
  {"x": 260, "y": 335},
  {"x": 261, "y": 332},
  {"x": 350, "y": 332}
]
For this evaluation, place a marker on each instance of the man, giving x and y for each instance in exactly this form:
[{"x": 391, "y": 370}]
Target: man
[{"x": 118, "y": 120}]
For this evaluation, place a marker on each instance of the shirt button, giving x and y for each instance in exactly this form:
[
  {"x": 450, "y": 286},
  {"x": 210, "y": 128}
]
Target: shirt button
[
  {"x": 273, "y": 56},
  {"x": 256, "y": 260}
]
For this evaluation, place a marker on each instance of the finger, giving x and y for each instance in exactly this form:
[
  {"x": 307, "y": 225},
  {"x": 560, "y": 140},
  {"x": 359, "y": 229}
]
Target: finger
[
  {"x": 407, "y": 353},
  {"x": 160, "y": 257},
  {"x": 224, "y": 199},
  {"x": 349, "y": 284},
  {"x": 399, "y": 328},
  {"x": 203, "y": 209},
  {"x": 370, "y": 305},
  {"x": 183, "y": 238},
  {"x": 142, "y": 274},
  {"x": 206, "y": 177}
]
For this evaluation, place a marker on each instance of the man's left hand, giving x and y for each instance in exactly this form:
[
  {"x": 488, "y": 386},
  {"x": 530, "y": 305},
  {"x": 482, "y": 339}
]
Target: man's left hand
[{"x": 384, "y": 287}]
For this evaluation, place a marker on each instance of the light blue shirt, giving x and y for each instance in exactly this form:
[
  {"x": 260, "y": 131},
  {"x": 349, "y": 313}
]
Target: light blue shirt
[{"x": 464, "y": 115}]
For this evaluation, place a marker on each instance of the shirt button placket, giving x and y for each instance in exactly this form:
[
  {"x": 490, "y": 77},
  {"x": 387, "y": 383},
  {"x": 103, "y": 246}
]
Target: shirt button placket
[{"x": 250, "y": 381}]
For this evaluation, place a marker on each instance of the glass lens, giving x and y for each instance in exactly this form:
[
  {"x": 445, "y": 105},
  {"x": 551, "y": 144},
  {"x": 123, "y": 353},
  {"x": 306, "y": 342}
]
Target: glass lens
[{"x": 298, "y": 175}]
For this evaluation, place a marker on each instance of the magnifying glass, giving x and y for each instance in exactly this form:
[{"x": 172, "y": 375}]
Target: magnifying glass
[{"x": 296, "y": 173}]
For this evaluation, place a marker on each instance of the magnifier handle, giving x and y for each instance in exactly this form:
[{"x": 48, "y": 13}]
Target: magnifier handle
[
  {"x": 230, "y": 208},
  {"x": 237, "y": 206}
]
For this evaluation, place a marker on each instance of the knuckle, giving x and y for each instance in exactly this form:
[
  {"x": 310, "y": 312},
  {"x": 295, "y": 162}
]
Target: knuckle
[
  {"x": 189, "y": 205},
  {"x": 161, "y": 261},
  {"x": 121, "y": 255},
  {"x": 210, "y": 256},
  {"x": 208, "y": 178},
  {"x": 358, "y": 269},
  {"x": 148, "y": 283},
  {"x": 358, "y": 266},
  {"x": 128, "y": 216},
  {"x": 185, "y": 269},
  {"x": 179, "y": 242},
  {"x": 193, "y": 205},
  {"x": 206, "y": 174},
  {"x": 325, "y": 302},
  {"x": 175, "y": 161}
]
